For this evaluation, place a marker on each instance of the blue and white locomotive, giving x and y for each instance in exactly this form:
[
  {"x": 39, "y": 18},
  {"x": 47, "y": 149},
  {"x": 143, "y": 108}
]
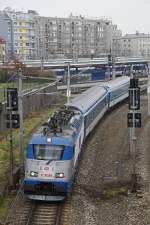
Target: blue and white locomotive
[{"x": 53, "y": 151}]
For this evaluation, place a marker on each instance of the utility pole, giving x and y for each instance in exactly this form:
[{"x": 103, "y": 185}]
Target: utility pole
[
  {"x": 42, "y": 51},
  {"x": 9, "y": 108},
  {"x": 20, "y": 99},
  {"x": 68, "y": 83},
  {"x": 113, "y": 60},
  {"x": 113, "y": 67},
  {"x": 109, "y": 65},
  {"x": 42, "y": 63},
  {"x": 148, "y": 89}
]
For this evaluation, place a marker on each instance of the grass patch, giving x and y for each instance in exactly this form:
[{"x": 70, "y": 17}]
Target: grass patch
[
  {"x": 114, "y": 191},
  {"x": 4, "y": 206},
  {"x": 31, "y": 123}
]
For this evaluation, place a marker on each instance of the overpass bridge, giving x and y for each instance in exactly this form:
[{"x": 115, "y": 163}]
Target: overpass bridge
[
  {"x": 78, "y": 63},
  {"x": 75, "y": 87},
  {"x": 97, "y": 62}
]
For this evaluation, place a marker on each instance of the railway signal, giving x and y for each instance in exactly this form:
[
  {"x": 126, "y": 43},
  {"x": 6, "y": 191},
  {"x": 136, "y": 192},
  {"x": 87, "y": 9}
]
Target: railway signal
[
  {"x": 134, "y": 83},
  {"x": 14, "y": 120},
  {"x": 134, "y": 98},
  {"x": 134, "y": 118},
  {"x": 12, "y": 99},
  {"x": 133, "y": 121},
  {"x": 11, "y": 105}
]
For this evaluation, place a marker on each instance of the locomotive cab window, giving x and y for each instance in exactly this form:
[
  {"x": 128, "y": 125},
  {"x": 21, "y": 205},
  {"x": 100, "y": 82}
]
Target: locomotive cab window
[{"x": 48, "y": 152}]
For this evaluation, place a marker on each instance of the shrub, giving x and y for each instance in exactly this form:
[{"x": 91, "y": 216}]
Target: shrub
[{"x": 4, "y": 75}]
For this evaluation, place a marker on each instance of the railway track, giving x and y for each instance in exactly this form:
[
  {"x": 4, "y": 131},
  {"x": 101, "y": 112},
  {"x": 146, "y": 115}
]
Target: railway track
[
  {"x": 49, "y": 214},
  {"x": 26, "y": 212},
  {"x": 19, "y": 210}
]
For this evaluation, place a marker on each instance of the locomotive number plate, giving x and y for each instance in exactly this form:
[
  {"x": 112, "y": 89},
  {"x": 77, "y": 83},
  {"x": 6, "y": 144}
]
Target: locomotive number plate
[{"x": 46, "y": 171}]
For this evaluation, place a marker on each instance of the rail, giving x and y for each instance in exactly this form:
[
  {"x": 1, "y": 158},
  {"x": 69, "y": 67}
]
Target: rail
[
  {"x": 19, "y": 209},
  {"x": 26, "y": 212}
]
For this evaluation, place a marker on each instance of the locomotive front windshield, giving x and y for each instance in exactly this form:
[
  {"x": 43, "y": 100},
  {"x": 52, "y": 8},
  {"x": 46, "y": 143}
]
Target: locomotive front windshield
[{"x": 48, "y": 152}]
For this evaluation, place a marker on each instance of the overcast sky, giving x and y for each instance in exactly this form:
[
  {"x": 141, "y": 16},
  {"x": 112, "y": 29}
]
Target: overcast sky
[{"x": 129, "y": 15}]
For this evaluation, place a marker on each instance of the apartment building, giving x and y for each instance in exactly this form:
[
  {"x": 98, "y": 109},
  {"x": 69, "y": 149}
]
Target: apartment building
[
  {"x": 6, "y": 33},
  {"x": 137, "y": 44},
  {"x": 29, "y": 36},
  {"x": 74, "y": 36},
  {"x": 19, "y": 30}
]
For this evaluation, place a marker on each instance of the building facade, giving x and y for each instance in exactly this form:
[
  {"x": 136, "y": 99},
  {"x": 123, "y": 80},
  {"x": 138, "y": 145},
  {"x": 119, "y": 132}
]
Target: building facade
[
  {"x": 6, "y": 33},
  {"x": 74, "y": 37},
  {"x": 24, "y": 39},
  {"x": 133, "y": 45},
  {"x": 18, "y": 29},
  {"x": 29, "y": 36}
]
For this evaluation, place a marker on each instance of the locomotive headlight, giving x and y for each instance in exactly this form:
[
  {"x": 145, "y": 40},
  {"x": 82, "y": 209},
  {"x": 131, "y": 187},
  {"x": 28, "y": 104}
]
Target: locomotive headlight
[
  {"x": 33, "y": 174},
  {"x": 59, "y": 175},
  {"x": 49, "y": 139}
]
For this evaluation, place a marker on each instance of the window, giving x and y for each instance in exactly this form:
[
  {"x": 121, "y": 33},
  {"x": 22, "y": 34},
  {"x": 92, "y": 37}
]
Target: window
[
  {"x": 95, "y": 111},
  {"x": 123, "y": 89},
  {"x": 48, "y": 152}
]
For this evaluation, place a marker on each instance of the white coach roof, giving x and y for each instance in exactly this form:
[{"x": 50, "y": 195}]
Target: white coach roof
[
  {"x": 113, "y": 84},
  {"x": 88, "y": 98}
]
